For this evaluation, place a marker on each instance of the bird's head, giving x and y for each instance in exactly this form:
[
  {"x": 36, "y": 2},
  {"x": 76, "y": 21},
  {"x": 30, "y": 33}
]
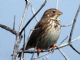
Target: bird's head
[{"x": 53, "y": 13}]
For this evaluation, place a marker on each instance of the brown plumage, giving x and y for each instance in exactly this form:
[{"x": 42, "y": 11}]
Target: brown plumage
[{"x": 46, "y": 32}]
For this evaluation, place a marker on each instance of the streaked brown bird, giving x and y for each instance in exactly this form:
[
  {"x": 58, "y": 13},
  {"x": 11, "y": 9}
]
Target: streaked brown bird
[{"x": 46, "y": 32}]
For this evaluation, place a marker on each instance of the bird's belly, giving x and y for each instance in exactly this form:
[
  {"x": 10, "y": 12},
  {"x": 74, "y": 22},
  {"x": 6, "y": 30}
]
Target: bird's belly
[{"x": 51, "y": 38}]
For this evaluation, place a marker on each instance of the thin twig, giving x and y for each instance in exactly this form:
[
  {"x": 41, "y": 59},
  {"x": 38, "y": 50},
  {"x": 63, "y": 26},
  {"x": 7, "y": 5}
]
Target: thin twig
[
  {"x": 66, "y": 25},
  {"x": 14, "y": 24},
  {"x": 74, "y": 49},
  {"x": 63, "y": 54},
  {"x": 8, "y": 29},
  {"x": 24, "y": 43},
  {"x": 73, "y": 25},
  {"x": 63, "y": 40}
]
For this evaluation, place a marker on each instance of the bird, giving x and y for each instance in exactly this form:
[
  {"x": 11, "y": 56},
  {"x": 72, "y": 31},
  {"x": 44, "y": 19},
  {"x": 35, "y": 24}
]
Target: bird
[{"x": 46, "y": 32}]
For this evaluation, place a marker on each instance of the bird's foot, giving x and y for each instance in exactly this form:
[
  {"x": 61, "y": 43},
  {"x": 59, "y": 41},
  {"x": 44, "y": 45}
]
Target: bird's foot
[
  {"x": 38, "y": 51},
  {"x": 52, "y": 47}
]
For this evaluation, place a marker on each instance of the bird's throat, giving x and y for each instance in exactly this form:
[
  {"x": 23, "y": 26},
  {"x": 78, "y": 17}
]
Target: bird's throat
[{"x": 55, "y": 17}]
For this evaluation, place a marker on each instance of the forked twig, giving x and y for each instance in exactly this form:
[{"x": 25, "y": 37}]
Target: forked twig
[
  {"x": 8, "y": 29},
  {"x": 71, "y": 33}
]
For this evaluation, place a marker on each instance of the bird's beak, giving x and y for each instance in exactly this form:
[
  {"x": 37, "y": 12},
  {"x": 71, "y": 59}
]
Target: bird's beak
[{"x": 60, "y": 13}]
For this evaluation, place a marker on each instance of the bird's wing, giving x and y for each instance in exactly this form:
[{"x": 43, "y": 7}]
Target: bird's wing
[{"x": 38, "y": 30}]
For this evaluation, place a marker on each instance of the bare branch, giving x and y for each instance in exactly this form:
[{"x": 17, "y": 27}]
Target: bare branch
[
  {"x": 33, "y": 17},
  {"x": 71, "y": 33},
  {"x": 8, "y": 29},
  {"x": 73, "y": 25}
]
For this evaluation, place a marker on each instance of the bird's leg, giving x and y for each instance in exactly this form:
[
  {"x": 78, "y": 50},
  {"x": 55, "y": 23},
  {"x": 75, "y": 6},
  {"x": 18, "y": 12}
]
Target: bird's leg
[
  {"x": 52, "y": 47},
  {"x": 38, "y": 51}
]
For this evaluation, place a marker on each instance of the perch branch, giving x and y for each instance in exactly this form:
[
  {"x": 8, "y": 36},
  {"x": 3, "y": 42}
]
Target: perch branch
[{"x": 59, "y": 47}]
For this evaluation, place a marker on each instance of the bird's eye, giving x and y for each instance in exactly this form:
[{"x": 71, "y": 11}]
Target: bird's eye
[{"x": 53, "y": 11}]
